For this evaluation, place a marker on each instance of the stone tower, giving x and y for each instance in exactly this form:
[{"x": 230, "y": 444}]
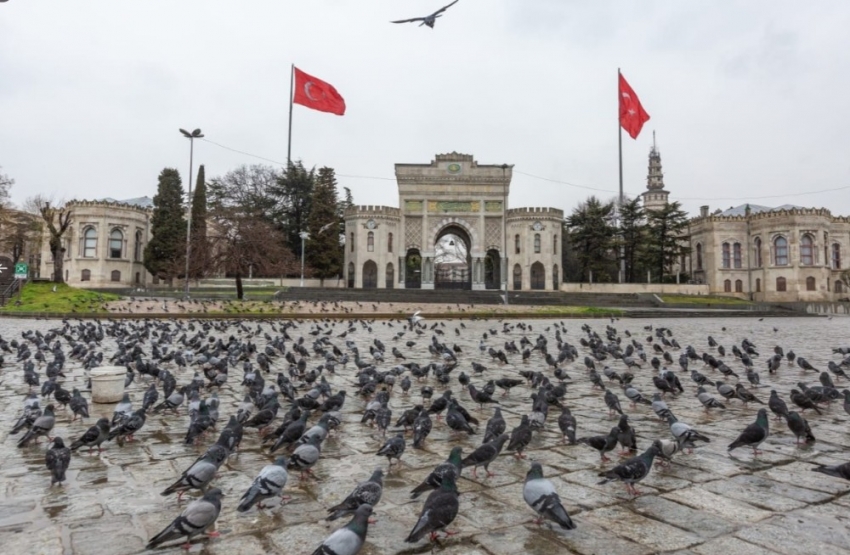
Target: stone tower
[{"x": 655, "y": 196}]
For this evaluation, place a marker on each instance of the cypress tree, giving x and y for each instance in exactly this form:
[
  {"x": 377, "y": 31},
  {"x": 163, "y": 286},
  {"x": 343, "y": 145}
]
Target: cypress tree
[
  {"x": 165, "y": 251},
  {"x": 632, "y": 237},
  {"x": 200, "y": 248},
  {"x": 324, "y": 254}
]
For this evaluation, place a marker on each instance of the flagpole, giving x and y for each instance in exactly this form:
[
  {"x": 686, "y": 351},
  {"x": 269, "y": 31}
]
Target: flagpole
[
  {"x": 289, "y": 140},
  {"x": 620, "y": 207}
]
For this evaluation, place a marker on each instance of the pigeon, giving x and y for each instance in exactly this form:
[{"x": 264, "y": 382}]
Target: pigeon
[
  {"x": 633, "y": 470},
  {"x": 659, "y": 406},
  {"x": 57, "y": 460},
  {"x": 666, "y": 450},
  {"x": 520, "y": 437},
  {"x": 128, "y": 426},
  {"x": 41, "y": 426},
  {"x": 754, "y": 434},
  {"x": 79, "y": 405},
  {"x": 603, "y": 444},
  {"x": 421, "y": 428},
  {"x": 292, "y": 432},
  {"x": 707, "y": 400},
  {"x": 777, "y": 406},
  {"x": 683, "y": 433},
  {"x": 269, "y": 483},
  {"x": 540, "y": 495},
  {"x": 799, "y": 426},
  {"x": 452, "y": 465},
  {"x": 305, "y": 456},
  {"x": 484, "y": 455},
  {"x": 745, "y": 396},
  {"x": 495, "y": 426},
  {"x": 365, "y": 493},
  {"x": 428, "y": 20},
  {"x": 393, "y": 448},
  {"x": 613, "y": 403},
  {"x": 626, "y": 436},
  {"x": 349, "y": 539},
  {"x": 456, "y": 421},
  {"x": 94, "y": 436},
  {"x": 123, "y": 410},
  {"x": 439, "y": 510},
  {"x": 197, "y": 476},
  {"x": 803, "y": 401},
  {"x": 197, "y": 518},
  {"x": 415, "y": 319},
  {"x": 838, "y": 470},
  {"x": 150, "y": 398},
  {"x": 567, "y": 425}
]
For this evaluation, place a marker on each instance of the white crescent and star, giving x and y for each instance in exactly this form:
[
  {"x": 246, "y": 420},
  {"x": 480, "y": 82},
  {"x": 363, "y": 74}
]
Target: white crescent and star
[{"x": 307, "y": 87}]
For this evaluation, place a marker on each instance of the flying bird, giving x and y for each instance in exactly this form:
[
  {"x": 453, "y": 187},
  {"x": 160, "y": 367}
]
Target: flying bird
[{"x": 428, "y": 20}]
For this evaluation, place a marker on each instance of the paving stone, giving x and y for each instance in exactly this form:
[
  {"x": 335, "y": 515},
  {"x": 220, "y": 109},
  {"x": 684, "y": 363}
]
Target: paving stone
[
  {"x": 730, "y": 546},
  {"x": 700, "y": 523},
  {"x": 704, "y": 500},
  {"x": 775, "y": 534},
  {"x": 647, "y": 532}
]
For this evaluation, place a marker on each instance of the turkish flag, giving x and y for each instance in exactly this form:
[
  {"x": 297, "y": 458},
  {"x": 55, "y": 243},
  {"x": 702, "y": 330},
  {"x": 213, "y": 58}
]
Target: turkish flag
[
  {"x": 632, "y": 114},
  {"x": 316, "y": 94}
]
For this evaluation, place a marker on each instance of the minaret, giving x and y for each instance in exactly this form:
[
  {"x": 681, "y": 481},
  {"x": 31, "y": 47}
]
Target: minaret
[{"x": 655, "y": 196}]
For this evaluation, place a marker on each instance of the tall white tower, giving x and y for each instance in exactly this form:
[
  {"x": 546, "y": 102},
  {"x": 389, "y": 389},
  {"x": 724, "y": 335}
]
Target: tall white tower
[{"x": 655, "y": 196}]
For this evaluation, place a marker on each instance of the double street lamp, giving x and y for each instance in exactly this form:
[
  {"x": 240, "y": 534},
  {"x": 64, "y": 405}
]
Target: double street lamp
[{"x": 196, "y": 134}]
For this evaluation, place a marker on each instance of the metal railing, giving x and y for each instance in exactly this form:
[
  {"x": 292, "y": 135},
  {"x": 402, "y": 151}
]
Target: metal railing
[{"x": 9, "y": 292}]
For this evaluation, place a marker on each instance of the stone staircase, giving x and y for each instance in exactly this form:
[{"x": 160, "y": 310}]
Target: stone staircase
[{"x": 7, "y": 280}]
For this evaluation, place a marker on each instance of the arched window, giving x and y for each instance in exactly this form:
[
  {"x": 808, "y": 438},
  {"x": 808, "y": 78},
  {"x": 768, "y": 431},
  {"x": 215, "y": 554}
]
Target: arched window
[
  {"x": 352, "y": 242},
  {"x": 736, "y": 255},
  {"x": 116, "y": 275},
  {"x": 811, "y": 284},
  {"x": 116, "y": 244},
  {"x": 555, "y": 244},
  {"x": 370, "y": 241},
  {"x": 389, "y": 242},
  {"x": 390, "y": 277},
  {"x": 351, "y": 274},
  {"x": 758, "y": 285},
  {"x": 727, "y": 256},
  {"x": 537, "y": 243},
  {"x": 555, "y": 283},
  {"x": 727, "y": 286},
  {"x": 780, "y": 252},
  {"x": 739, "y": 286},
  {"x": 807, "y": 251},
  {"x": 137, "y": 250},
  {"x": 138, "y": 278},
  {"x": 839, "y": 286},
  {"x": 699, "y": 256},
  {"x": 517, "y": 276},
  {"x": 757, "y": 248},
  {"x": 89, "y": 242},
  {"x": 516, "y": 243},
  {"x": 780, "y": 284},
  {"x": 836, "y": 256},
  {"x": 85, "y": 275}
]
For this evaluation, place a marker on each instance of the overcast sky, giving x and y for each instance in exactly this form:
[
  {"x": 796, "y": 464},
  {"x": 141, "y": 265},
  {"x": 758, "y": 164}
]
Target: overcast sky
[{"x": 748, "y": 98}]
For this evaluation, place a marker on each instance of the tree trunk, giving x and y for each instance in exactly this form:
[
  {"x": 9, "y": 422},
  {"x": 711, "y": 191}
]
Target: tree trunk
[
  {"x": 57, "y": 252},
  {"x": 239, "y": 291}
]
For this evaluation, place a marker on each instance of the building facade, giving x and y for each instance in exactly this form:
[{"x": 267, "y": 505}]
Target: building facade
[
  {"x": 453, "y": 195},
  {"x": 105, "y": 244}
]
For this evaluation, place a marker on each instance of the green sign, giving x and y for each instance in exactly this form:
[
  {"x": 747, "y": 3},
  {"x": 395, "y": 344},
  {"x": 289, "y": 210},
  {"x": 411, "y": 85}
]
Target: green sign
[{"x": 21, "y": 271}]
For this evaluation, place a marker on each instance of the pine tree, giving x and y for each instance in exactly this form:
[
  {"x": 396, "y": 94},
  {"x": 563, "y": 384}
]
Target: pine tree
[
  {"x": 165, "y": 251},
  {"x": 293, "y": 193},
  {"x": 631, "y": 237},
  {"x": 666, "y": 238},
  {"x": 592, "y": 238},
  {"x": 323, "y": 251},
  {"x": 200, "y": 248}
]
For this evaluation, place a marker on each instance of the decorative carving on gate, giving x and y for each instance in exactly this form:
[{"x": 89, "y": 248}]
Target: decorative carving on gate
[
  {"x": 413, "y": 233},
  {"x": 493, "y": 233}
]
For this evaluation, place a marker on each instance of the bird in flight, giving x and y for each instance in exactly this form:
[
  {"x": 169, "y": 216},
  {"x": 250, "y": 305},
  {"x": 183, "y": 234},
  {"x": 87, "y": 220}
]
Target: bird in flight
[{"x": 428, "y": 20}]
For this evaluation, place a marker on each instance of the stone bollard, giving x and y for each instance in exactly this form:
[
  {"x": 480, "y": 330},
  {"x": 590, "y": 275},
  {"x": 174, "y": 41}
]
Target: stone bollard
[{"x": 107, "y": 383}]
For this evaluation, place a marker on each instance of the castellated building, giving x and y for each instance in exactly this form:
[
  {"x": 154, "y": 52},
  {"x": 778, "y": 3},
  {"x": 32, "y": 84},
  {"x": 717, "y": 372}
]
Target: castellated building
[{"x": 453, "y": 201}]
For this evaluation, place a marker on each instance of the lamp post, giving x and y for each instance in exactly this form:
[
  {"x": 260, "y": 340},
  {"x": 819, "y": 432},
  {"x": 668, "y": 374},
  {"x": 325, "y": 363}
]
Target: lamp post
[
  {"x": 304, "y": 236},
  {"x": 196, "y": 134}
]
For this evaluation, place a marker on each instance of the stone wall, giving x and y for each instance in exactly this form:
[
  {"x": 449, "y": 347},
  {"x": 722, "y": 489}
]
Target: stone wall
[{"x": 634, "y": 288}]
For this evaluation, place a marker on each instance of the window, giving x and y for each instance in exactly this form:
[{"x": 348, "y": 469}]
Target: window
[
  {"x": 115, "y": 276},
  {"x": 138, "y": 278},
  {"x": 554, "y": 244},
  {"x": 699, "y": 256},
  {"x": 757, "y": 247},
  {"x": 810, "y": 284},
  {"x": 739, "y": 286},
  {"x": 390, "y": 277},
  {"x": 389, "y": 242},
  {"x": 727, "y": 258},
  {"x": 516, "y": 244},
  {"x": 555, "y": 283},
  {"x": 370, "y": 241},
  {"x": 137, "y": 249},
  {"x": 351, "y": 273},
  {"x": 85, "y": 276},
  {"x": 780, "y": 253},
  {"x": 116, "y": 244},
  {"x": 836, "y": 256},
  {"x": 352, "y": 242},
  {"x": 758, "y": 285},
  {"x": 537, "y": 243},
  {"x": 90, "y": 242},
  {"x": 807, "y": 251},
  {"x": 517, "y": 277},
  {"x": 736, "y": 255},
  {"x": 727, "y": 286},
  {"x": 780, "y": 284},
  {"x": 683, "y": 263},
  {"x": 839, "y": 286}
]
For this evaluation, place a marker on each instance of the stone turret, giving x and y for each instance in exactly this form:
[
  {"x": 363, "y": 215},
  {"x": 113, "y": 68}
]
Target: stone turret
[{"x": 655, "y": 196}]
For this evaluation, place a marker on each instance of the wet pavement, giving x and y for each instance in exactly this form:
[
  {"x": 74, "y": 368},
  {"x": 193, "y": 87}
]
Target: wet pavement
[{"x": 708, "y": 502}]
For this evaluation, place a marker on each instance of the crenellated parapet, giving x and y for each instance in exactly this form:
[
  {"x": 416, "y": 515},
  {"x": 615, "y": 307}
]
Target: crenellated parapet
[
  {"x": 370, "y": 211},
  {"x": 108, "y": 204},
  {"x": 535, "y": 212}
]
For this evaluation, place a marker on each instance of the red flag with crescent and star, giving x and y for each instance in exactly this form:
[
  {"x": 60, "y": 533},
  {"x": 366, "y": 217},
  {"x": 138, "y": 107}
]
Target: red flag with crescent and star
[
  {"x": 632, "y": 114},
  {"x": 316, "y": 94}
]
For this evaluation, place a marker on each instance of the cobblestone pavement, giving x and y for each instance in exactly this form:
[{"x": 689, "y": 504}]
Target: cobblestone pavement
[{"x": 707, "y": 503}]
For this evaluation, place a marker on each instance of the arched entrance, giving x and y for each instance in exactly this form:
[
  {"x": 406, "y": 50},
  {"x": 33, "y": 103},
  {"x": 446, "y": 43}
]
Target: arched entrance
[
  {"x": 493, "y": 270},
  {"x": 370, "y": 275},
  {"x": 517, "y": 277},
  {"x": 351, "y": 275},
  {"x": 452, "y": 260},
  {"x": 390, "y": 277},
  {"x": 538, "y": 276},
  {"x": 413, "y": 270}
]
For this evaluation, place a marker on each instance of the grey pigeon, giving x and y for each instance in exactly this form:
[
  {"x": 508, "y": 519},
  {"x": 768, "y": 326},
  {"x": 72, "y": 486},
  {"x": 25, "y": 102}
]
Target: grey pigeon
[
  {"x": 626, "y": 436},
  {"x": 495, "y": 426},
  {"x": 540, "y": 495},
  {"x": 57, "y": 460},
  {"x": 745, "y": 396},
  {"x": 197, "y": 476},
  {"x": 659, "y": 406},
  {"x": 393, "y": 448},
  {"x": 799, "y": 426},
  {"x": 754, "y": 434},
  {"x": 452, "y": 465},
  {"x": 666, "y": 450},
  {"x": 684, "y": 433},
  {"x": 613, "y": 402},
  {"x": 94, "y": 436},
  {"x": 269, "y": 483},
  {"x": 305, "y": 456},
  {"x": 603, "y": 444},
  {"x": 439, "y": 510},
  {"x": 79, "y": 405},
  {"x": 349, "y": 539},
  {"x": 838, "y": 470},
  {"x": 776, "y": 405},
  {"x": 123, "y": 410},
  {"x": 633, "y": 470},
  {"x": 365, "y": 493},
  {"x": 520, "y": 437},
  {"x": 567, "y": 425},
  {"x": 484, "y": 455},
  {"x": 41, "y": 426},
  {"x": 197, "y": 518},
  {"x": 707, "y": 400}
]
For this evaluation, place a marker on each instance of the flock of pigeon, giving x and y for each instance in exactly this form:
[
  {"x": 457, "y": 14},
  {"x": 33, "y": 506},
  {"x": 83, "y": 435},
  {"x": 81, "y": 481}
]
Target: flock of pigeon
[{"x": 288, "y": 382}]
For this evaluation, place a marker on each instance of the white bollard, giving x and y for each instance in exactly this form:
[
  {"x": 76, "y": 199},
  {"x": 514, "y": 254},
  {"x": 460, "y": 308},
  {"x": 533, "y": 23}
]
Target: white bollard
[{"x": 107, "y": 383}]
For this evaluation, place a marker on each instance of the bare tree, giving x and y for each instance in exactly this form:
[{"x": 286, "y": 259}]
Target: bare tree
[{"x": 57, "y": 221}]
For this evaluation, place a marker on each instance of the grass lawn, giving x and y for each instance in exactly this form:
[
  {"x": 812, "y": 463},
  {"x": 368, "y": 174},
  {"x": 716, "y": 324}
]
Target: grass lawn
[
  {"x": 687, "y": 299},
  {"x": 39, "y": 297}
]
